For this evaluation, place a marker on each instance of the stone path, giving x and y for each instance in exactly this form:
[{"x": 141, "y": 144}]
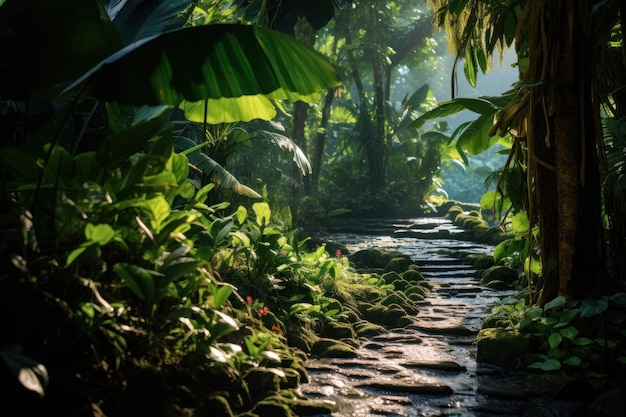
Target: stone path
[{"x": 429, "y": 368}]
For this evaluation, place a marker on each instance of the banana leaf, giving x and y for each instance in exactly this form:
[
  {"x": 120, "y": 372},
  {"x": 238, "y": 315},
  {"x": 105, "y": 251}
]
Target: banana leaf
[{"x": 209, "y": 62}]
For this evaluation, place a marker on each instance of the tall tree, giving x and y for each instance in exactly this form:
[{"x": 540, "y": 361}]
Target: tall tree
[{"x": 554, "y": 117}]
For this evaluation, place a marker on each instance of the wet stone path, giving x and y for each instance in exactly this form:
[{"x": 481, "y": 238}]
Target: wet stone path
[{"x": 429, "y": 368}]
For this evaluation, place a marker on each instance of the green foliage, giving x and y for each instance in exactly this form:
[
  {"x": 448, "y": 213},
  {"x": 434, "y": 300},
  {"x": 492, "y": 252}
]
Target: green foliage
[{"x": 576, "y": 337}]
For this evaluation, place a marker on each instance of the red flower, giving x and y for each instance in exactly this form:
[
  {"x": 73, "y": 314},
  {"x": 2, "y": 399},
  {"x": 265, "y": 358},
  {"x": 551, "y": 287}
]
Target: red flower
[
  {"x": 249, "y": 300},
  {"x": 276, "y": 328},
  {"x": 265, "y": 310},
  {"x": 338, "y": 253}
]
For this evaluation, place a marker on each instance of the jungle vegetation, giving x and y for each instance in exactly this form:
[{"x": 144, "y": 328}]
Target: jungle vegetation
[{"x": 164, "y": 164}]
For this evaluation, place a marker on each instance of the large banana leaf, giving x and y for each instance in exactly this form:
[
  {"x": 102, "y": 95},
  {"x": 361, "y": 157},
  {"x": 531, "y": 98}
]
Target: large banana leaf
[{"x": 209, "y": 62}]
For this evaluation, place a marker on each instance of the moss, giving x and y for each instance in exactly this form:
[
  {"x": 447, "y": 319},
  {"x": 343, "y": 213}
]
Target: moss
[
  {"x": 338, "y": 330},
  {"x": 390, "y": 277},
  {"x": 400, "y": 284},
  {"x": 498, "y": 285},
  {"x": 405, "y": 321},
  {"x": 329, "y": 348},
  {"x": 417, "y": 289},
  {"x": 453, "y": 212},
  {"x": 399, "y": 264},
  {"x": 365, "y": 328},
  {"x": 501, "y": 347},
  {"x": 261, "y": 382},
  {"x": 400, "y": 299},
  {"x": 273, "y": 408},
  {"x": 416, "y": 297},
  {"x": 484, "y": 262},
  {"x": 469, "y": 222},
  {"x": 499, "y": 273},
  {"x": 412, "y": 275},
  {"x": 291, "y": 379}
]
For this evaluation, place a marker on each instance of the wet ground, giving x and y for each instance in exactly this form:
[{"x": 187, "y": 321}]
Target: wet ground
[{"x": 429, "y": 369}]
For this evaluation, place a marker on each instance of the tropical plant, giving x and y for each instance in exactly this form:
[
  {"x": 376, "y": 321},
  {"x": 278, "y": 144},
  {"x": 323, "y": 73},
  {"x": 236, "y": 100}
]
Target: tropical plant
[
  {"x": 556, "y": 148},
  {"x": 109, "y": 244}
]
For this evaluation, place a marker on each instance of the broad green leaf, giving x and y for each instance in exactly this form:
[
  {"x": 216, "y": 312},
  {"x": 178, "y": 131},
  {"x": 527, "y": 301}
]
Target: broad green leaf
[
  {"x": 177, "y": 269},
  {"x": 140, "y": 281},
  {"x": 157, "y": 210},
  {"x": 582, "y": 341},
  {"x": 100, "y": 233},
  {"x": 558, "y": 302},
  {"x": 243, "y": 239},
  {"x": 469, "y": 67},
  {"x": 179, "y": 165},
  {"x": 229, "y": 109},
  {"x": 220, "y": 228},
  {"x": 202, "y": 193},
  {"x": 444, "y": 109},
  {"x": 241, "y": 214},
  {"x": 475, "y": 137},
  {"x": 554, "y": 340},
  {"x": 234, "y": 60},
  {"x": 520, "y": 223},
  {"x": 220, "y": 295},
  {"x": 591, "y": 307},
  {"x": 572, "y": 361},
  {"x": 506, "y": 248},
  {"x": 532, "y": 265},
  {"x": 547, "y": 365},
  {"x": 263, "y": 213}
]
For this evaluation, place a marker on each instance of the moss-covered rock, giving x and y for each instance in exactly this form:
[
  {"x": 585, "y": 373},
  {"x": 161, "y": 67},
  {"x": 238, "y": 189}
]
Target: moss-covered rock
[
  {"x": 338, "y": 330},
  {"x": 405, "y": 321},
  {"x": 399, "y": 264},
  {"x": 261, "y": 382},
  {"x": 484, "y": 262},
  {"x": 330, "y": 348},
  {"x": 400, "y": 284},
  {"x": 385, "y": 315},
  {"x": 402, "y": 300},
  {"x": 374, "y": 258},
  {"x": 390, "y": 276},
  {"x": 498, "y": 285},
  {"x": 412, "y": 275},
  {"x": 365, "y": 328},
  {"x": 273, "y": 407},
  {"x": 416, "y": 297},
  {"x": 501, "y": 347},
  {"x": 453, "y": 212},
  {"x": 417, "y": 289},
  {"x": 310, "y": 407},
  {"x": 499, "y": 273}
]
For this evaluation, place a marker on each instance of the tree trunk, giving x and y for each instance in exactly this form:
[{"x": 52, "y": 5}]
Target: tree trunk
[
  {"x": 306, "y": 34},
  {"x": 563, "y": 152},
  {"x": 377, "y": 152},
  {"x": 320, "y": 141}
]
